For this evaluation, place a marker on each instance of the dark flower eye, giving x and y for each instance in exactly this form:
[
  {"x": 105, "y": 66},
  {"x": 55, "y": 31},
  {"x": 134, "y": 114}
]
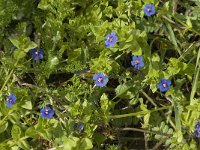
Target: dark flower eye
[
  {"x": 164, "y": 85},
  {"x": 137, "y": 62},
  {"x": 100, "y": 79},
  {"x": 149, "y": 10},
  {"x": 47, "y": 112}
]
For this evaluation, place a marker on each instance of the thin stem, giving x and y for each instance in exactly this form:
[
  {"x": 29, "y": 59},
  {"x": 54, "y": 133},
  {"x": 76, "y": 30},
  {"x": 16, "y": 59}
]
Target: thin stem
[
  {"x": 9, "y": 75},
  {"x": 149, "y": 98},
  {"x": 145, "y": 131},
  {"x": 173, "y": 38},
  {"x": 2, "y": 120},
  {"x": 185, "y": 25},
  {"x": 158, "y": 144},
  {"x": 138, "y": 113},
  {"x": 146, "y": 143}
]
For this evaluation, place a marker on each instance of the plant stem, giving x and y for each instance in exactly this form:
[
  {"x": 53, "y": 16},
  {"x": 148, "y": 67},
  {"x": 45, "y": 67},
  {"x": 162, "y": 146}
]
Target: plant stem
[
  {"x": 158, "y": 144},
  {"x": 2, "y": 120},
  {"x": 138, "y": 113},
  {"x": 8, "y": 77},
  {"x": 149, "y": 98},
  {"x": 145, "y": 131},
  {"x": 173, "y": 38},
  {"x": 185, "y": 25}
]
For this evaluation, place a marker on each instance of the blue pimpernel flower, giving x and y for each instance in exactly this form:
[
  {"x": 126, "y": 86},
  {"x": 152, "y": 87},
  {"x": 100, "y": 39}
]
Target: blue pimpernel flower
[
  {"x": 197, "y": 130},
  {"x": 137, "y": 62},
  {"x": 100, "y": 79},
  {"x": 11, "y": 100},
  {"x": 79, "y": 127},
  {"x": 111, "y": 39},
  {"x": 47, "y": 112},
  {"x": 36, "y": 53},
  {"x": 149, "y": 10},
  {"x": 164, "y": 85}
]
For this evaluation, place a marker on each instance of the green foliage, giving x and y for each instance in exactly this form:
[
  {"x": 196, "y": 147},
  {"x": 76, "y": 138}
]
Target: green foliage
[{"x": 72, "y": 34}]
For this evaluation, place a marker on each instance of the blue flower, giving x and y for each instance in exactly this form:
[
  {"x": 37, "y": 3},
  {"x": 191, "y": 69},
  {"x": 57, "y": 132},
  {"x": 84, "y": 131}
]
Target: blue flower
[
  {"x": 111, "y": 39},
  {"x": 36, "y": 53},
  {"x": 197, "y": 130},
  {"x": 149, "y": 10},
  {"x": 100, "y": 79},
  {"x": 164, "y": 85},
  {"x": 137, "y": 62},
  {"x": 11, "y": 100},
  {"x": 79, "y": 127},
  {"x": 47, "y": 112}
]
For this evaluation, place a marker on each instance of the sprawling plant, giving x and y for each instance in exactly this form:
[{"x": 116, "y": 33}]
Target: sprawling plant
[{"x": 99, "y": 74}]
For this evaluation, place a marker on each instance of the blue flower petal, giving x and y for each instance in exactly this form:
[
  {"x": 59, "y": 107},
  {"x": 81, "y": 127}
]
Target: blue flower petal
[
  {"x": 137, "y": 62},
  {"x": 11, "y": 100},
  {"x": 197, "y": 130},
  {"x": 36, "y": 53},
  {"x": 47, "y": 112},
  {"x": 149, "y": 10},
  {"x": 111, "y": 39},
  {"x": 164, "y": 85},
  {"x": 100, "y": 79}
]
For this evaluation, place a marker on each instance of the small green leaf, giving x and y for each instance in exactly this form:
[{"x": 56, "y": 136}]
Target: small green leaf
[
  {"x": 86, "y": 144},
  {"x": 71, "y": 143},
  {"x": 122, "y": 89},
  {"x": 189, "y": 23},
  {"x": 29, "y": 45},
  {"x": 15, "y": 42},
  {"x": 23, "y": 144},
  {"x": 31, "y": 132},
  {"x": 3, "y": 126},
  {"x": 19, "y": 54},
  {"x": 54, "y": 62},
  {"x": 27, "y": 105},
  {"x": 16, "y": 132}
]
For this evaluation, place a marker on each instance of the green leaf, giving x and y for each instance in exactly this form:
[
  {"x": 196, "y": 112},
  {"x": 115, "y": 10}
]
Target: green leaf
[
  {"x": 19, "y": 54},
  {"x": 122, "y": 89},
  {"x": 44, "y": 5},
  {"x": 15, "y": 42},
  {"x": 29, "y": 45},
  {"x": 3, "y": 126},
  {"x": 99, "y": 138},
  {"x": 104, "y": 102},
  {"x": 23, "y": 43},
  {"x": 75, "y": 55},
  {"x": 86, "y": 144},
  {"x": 71, "y": 143},
  {"x": 31, "y": 132},
  {"x": 53, "y": 62},
  {"x": 23, "y": 144},
  {"x": 27, "y": 105},
  {"x": 189, "y": 23},
  {"x": 16, "y": 132}
]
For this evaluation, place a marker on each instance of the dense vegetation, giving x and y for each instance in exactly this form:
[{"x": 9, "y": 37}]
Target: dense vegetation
[{"x": 99, "y": 74}]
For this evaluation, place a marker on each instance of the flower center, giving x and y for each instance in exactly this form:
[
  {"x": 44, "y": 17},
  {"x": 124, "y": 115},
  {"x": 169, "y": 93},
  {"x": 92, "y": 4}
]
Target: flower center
[
  {"x": 46, "y": 111},
  {"x": 136, "y": 61},
  {"x": 10, "y": 100},
  {"x": 100, "y": 79},
  {"x": 164, "y": 85},
  {"x": 110, "y": 39},
  {"x": 149, "y": 9},
  {"x": 36, "y": 52}
]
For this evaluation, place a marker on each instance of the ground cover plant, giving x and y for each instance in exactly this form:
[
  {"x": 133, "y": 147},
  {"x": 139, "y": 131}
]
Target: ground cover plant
[{"x": 99, "y": 74}]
